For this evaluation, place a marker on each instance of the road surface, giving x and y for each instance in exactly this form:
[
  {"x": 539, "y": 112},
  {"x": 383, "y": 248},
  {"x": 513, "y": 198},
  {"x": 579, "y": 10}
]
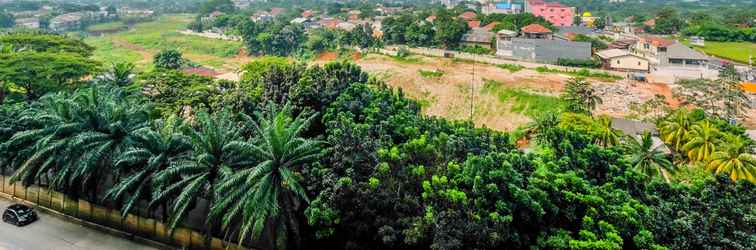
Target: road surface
[{"x": 53, "y": 233}]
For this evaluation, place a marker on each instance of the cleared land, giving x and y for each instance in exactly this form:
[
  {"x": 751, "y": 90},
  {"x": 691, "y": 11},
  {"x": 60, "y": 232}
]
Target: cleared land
[
  {"x": 141, "y": 41},
  {"x": 502, "y": 99}
]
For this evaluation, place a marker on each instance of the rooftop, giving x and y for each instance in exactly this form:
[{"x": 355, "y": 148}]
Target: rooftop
[
  {"x": 612, "y": 53},
  {"x": 478, "y": 36},
  {"x": 468, "y": 15},
  {"x": 656, "y": 41},
  {"x": 535, "y": 28}
]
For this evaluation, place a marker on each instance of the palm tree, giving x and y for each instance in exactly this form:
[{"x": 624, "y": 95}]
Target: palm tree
[
  {"x": 607, "y": 136},
  {"x": 580, "y": 96},
  {"x": 186, "y": 181},
  {"x": 75, "y": 137},
  {"x": 674, "y": 130},
  {"x": 702, "y": 140},
  {"x": 268, "y": 193},
  {"x": 120, "y": 74},
  {"x": 735, "y": 158},
  {"x": 646, "y": 158},
  {"x": 153, "y": 151}
]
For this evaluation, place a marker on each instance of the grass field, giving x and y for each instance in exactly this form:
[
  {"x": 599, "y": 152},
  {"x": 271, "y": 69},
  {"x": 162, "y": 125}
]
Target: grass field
[
  {"x": 106, "y": 27},
  {"x": 524, "y": 101},
  {"x": 736, "y": 51},
  {"x": 140, "y": 42}
]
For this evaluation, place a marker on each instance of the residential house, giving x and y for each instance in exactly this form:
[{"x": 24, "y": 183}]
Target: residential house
[
  {"x": 624, "y": 44},
  {"x": 473, "y": 24},
  {"x": 347, "y": 26},
  {"x": 504, "y": 42},
  {"x": 554, "y": 12},
  {"x": 680, "y": 55},
  {"x": 536, "y": 31},
  {"x": 636, "y": 129},
  {"x": 28, "y": 23},
  {"x": 468, "y": 15},
  {"x": 75, "y": 20},
  {"x": 127, "y": 12},
  {"x": 277, "y": 11},
  {"x": 242, "y": 4},
  {"x": 479, "y": 37},
  {"x": 549, "y": 51},
  {"x": 570, "y": 32},
  {"x": 623, "y": 60},
  {"x": 450, "y": 4},
  {"x": 665, "y": 52},
  {"x": 537, "y": 44},
  {"x": 651, "y": 47},
  {"x": 501, "y": 8}
]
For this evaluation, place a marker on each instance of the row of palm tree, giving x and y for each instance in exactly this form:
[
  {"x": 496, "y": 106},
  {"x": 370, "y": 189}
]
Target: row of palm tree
[
  {"x": 74, "y": 142},
  {"x": 700, "y": 141}
]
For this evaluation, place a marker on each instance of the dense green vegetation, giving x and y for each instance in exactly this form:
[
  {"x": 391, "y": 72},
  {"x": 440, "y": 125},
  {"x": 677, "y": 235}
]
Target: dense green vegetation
[{"x": 327, "y": 157}]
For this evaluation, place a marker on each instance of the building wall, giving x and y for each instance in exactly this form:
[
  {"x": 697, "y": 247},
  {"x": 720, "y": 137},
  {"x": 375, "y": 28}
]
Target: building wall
[
  {"x": 559, "y": 15},
  {"x": 549, "y": 51},
  {"x": 629, "y": 63}
]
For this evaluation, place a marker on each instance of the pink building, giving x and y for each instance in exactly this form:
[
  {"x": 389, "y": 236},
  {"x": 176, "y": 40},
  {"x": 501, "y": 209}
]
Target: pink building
[{"x": 554, "y": 12}]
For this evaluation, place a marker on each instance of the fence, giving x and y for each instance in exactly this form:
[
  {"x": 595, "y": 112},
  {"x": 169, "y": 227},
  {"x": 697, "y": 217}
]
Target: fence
[{"x": 132, "y": 225}]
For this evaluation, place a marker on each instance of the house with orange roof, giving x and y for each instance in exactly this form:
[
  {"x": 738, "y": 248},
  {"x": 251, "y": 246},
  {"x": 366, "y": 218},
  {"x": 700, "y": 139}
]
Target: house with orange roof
[
  {"x": 307, "y": 13},
  {"x": 536, "y": 31},
  {"x": 473, "y": 24},
  {"x": 664, "y": 52},
  {"x": 490, "y": 26},
  {"x": 468, "y": 15},
  {"x": 430, "y": 18}
]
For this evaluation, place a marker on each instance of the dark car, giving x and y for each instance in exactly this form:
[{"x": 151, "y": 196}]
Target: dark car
[{"x": 19, "y": 215}]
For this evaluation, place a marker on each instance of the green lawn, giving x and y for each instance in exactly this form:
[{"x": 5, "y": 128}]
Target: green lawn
[
  {"x": 736, "y": 51},
  {"x": 163, "y": 33},
  {"x": 106, "y": 27},
  {"x": 143, "y": 40},
  {"x": 108, "y": 53}
]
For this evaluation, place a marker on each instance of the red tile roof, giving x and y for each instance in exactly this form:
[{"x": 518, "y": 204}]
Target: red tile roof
[
  {"x": 277, "y": 11},
  {"x": 650, "y": 22},
  {"x": 535, "y": 28},
  {"x": 473, "y": 24},
  {"x": 656, "y": 41},
  {"x": 430, "y": 18},
  {"x": 490, "y": 26},
  {"x": 307, "y": 13},
  {"x": 468, "y": 15}
]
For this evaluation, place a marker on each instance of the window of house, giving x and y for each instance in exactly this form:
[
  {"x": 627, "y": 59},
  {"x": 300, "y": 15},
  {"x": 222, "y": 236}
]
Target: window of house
[
  {"x": 639, "y": 63},
  {"x": 662, "y": 49},
  {"x": 618, "y": 61}
]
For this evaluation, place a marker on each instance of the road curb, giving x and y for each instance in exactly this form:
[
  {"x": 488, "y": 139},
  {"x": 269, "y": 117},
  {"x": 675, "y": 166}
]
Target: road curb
[{"x": 92, "y": 225}]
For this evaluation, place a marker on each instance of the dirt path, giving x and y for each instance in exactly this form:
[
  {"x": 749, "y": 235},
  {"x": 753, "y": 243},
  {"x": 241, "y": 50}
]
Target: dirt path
[{"x": 146, "y": 55}]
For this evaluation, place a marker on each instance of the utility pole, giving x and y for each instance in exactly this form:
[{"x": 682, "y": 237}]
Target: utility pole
[{"x": 472, "y": 91}]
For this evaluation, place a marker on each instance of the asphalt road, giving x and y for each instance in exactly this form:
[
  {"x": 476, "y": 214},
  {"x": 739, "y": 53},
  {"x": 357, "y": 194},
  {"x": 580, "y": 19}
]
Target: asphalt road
[{"x": 53, "y": 233}]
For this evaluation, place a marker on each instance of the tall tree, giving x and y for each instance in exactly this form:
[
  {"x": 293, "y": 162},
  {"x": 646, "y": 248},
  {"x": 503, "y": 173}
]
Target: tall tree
[
  {"x": 703, "y": 139},
  {"x": 269, "y": 191},
  {"x": 154, "y": 149},
  {"x": 606, "y": 135},
  {"x": 120, "y": 74},
  {"x": 195, "y": 178},
  {"x": 646, "y": 158},
  {"x": 76, "y": 137},
  {"x": 674, "y": 130},
  {"x": 580, "y": 96},
  {"x": 169, "y": 59},
  {"x": 734, "y": 158}
]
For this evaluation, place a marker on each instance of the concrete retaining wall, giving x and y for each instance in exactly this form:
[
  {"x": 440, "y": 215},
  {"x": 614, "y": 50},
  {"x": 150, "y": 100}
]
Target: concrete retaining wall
[{"x": 132, "y": 226}]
